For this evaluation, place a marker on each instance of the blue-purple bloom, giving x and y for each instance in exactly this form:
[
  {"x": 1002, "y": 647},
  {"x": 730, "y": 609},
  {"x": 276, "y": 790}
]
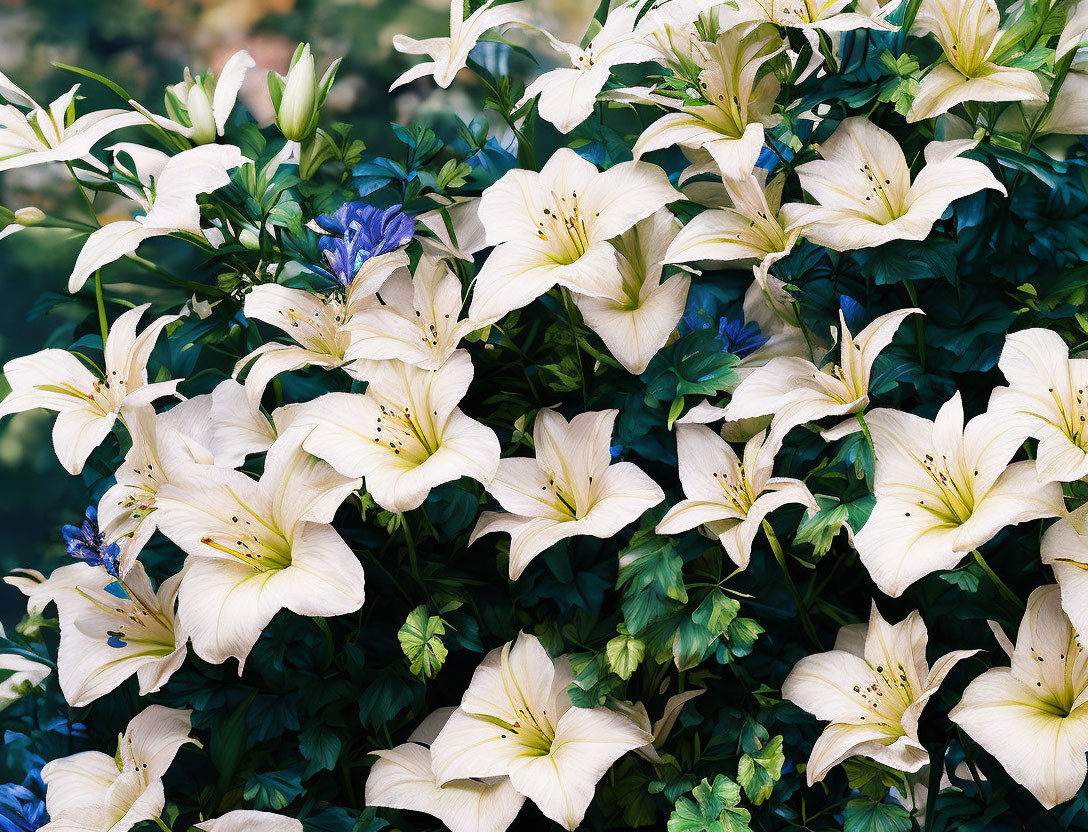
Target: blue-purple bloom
[
  {"x": 22, "y": 806},
  {"x": 740, "y": 338},
  {"x": 87, "y": 544},
  {"x": 852, "y": 311},
  {"x": 358, "y": 231}
]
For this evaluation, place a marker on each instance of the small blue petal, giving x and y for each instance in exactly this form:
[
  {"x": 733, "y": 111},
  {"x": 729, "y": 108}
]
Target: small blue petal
[
  {"x": 86, "y": 543},
  {"x": 852, "y": 311},
  {"x": 740, "y": 338},
  {"x": 115, "y": 589},
  {"x": 114, "y": 641},
  {"x": 614, "y": 451}
]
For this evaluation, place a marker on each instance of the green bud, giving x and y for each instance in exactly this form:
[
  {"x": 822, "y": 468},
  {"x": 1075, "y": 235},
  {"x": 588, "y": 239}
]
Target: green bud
[{"x": 295, "y": 114}]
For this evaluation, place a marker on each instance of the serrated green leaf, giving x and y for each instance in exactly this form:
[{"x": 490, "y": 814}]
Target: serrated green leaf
[
  {"x": 420, "y": 638},
  {"x": 757, "y": 773}
]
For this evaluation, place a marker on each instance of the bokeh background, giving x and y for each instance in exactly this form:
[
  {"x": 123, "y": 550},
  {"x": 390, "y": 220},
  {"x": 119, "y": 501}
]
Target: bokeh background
[{"x": 145, "y": 45}]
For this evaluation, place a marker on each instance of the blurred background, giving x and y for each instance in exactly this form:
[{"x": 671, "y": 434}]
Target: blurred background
[{"x": 145, "y": 45}]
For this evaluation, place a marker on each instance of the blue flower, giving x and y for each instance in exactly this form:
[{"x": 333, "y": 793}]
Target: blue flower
[
  {"x": 357, "y": 232},
  {"x": 699, "y": 313},
  {"x": 852, "y": 311},
  {"x": 87, "y": 544},
  {"x": 22, "y": 807},
  {"x": 740, "y": 338}
]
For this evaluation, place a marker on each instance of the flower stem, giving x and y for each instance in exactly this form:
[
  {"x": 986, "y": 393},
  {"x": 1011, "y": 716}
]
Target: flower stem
[
  {"x": 860, "y": 416},
  {"x": 802, "y": 609},
  {"x": 1002, "y": 587},
  {"x": 86, "y": 199},
  {"x": 162, "y": 825},
  {"x": 919, "y": 330},
  {"x": 100, "y": 301},
  {"x": 413, "y": 562}
]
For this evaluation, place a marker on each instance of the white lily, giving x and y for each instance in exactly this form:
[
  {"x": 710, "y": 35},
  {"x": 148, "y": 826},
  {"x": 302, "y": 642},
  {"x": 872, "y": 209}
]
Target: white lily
[
  {"x": 418, "y": 321},
  {"x": 45, "y": 135},
  {"x": 943, "y": 489},
  {"x": 516, "y": 719},
  {"x": 86, "y": 405},
  {"x": 1049, "y": 390},
  {"x": 865, "y": 195},
  {"x": 250, "y": 820},
  {"x": 111, "y": 629},
  {"x": 740, "y": 96},
  {"x": 258, "y": 546},
  {"x": 727, "y": 495},
  {"x": 317, "y": 323},
  {"x": 567, "y": 95},
  {"x": 96, "y": 792},
  {"x": 1064, "y": 548},
  {"x": 450, "y": 55},
  {"x": 554, "y": 227},
  {"x": 569, "y": 489},
  {"x": 20, "y": 675},
  {"x": 751, "y": 229},
  {"x": 403, "y": 778},
  {"x": 660, "y": 728},
  {"x": 465, "y": 235},
  {"x": 872, "y": 688},
  {"x": 639, "y": 313},
  {"x": 405, "y": 434},
  {"x": 217, "y": 428},
  {"x": 167, "y": 192},
  {"x": 795, "y": 390},
  {"x": 968, "y": 32},
  {"x": 829, "y": 16},
  {"x": 199, "y": 107},
  {"x": 1033, "y": 716}
]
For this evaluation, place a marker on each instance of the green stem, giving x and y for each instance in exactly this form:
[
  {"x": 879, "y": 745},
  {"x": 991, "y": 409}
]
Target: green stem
[
  {"x": 860, "y": 416},
  {"x": 909, "y": 14},
  {"x": 1002, "y": 587},
  {"x": 162, "y": 825},
  {"x": 919, "y": 330},
  {"x": 100, "y": 301},
  {"x": 86, "y": 199},
  {"x": 802, "y": 609},
  {"x": 413, "y": 562},
  {"x": 1060, "y": 73}
]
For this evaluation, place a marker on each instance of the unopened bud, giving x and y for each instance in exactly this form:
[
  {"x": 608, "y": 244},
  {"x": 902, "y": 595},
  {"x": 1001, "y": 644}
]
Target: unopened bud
[{"x": 29, "y": 216}]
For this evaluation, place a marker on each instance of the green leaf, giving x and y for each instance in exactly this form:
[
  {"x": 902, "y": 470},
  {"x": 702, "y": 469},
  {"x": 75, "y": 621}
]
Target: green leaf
[
  {"x": 229, "y": 739},
  {"x": 320, "y": 745},
  {"x": 903, "y": 260},
  {"x": 715, "y": 809},
  {"x": 274, "y": 790},
  {"x": 652, "y": 581},
  {"x": 742, "y": 636},
  {"x": 624, "y": 653},
  {"x": 871, "y": 778},
  {"x": 819, "y": 529},
  {"x": 867, "y": 816},
  {"x": 420, "y": 638},
  {"x": 757, "y": 773},
  {"x": 716, "y": 612},
  {"x": 113, "y": 86}
]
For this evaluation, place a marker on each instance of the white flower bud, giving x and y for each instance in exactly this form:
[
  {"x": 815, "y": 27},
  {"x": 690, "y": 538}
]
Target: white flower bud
[
  {"x": 201, "y": 115},
  {"x": 295, "y": 116},
  {"x": 29, "y": 216}
]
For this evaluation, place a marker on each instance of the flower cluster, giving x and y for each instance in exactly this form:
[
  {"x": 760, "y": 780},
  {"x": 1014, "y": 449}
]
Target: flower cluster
[{"x": 406, "y": 417}]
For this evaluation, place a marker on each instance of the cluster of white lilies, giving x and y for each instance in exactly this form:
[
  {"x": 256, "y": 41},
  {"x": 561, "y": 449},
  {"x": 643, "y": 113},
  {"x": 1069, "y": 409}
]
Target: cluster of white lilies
[{"x": 256, "y": 546}]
